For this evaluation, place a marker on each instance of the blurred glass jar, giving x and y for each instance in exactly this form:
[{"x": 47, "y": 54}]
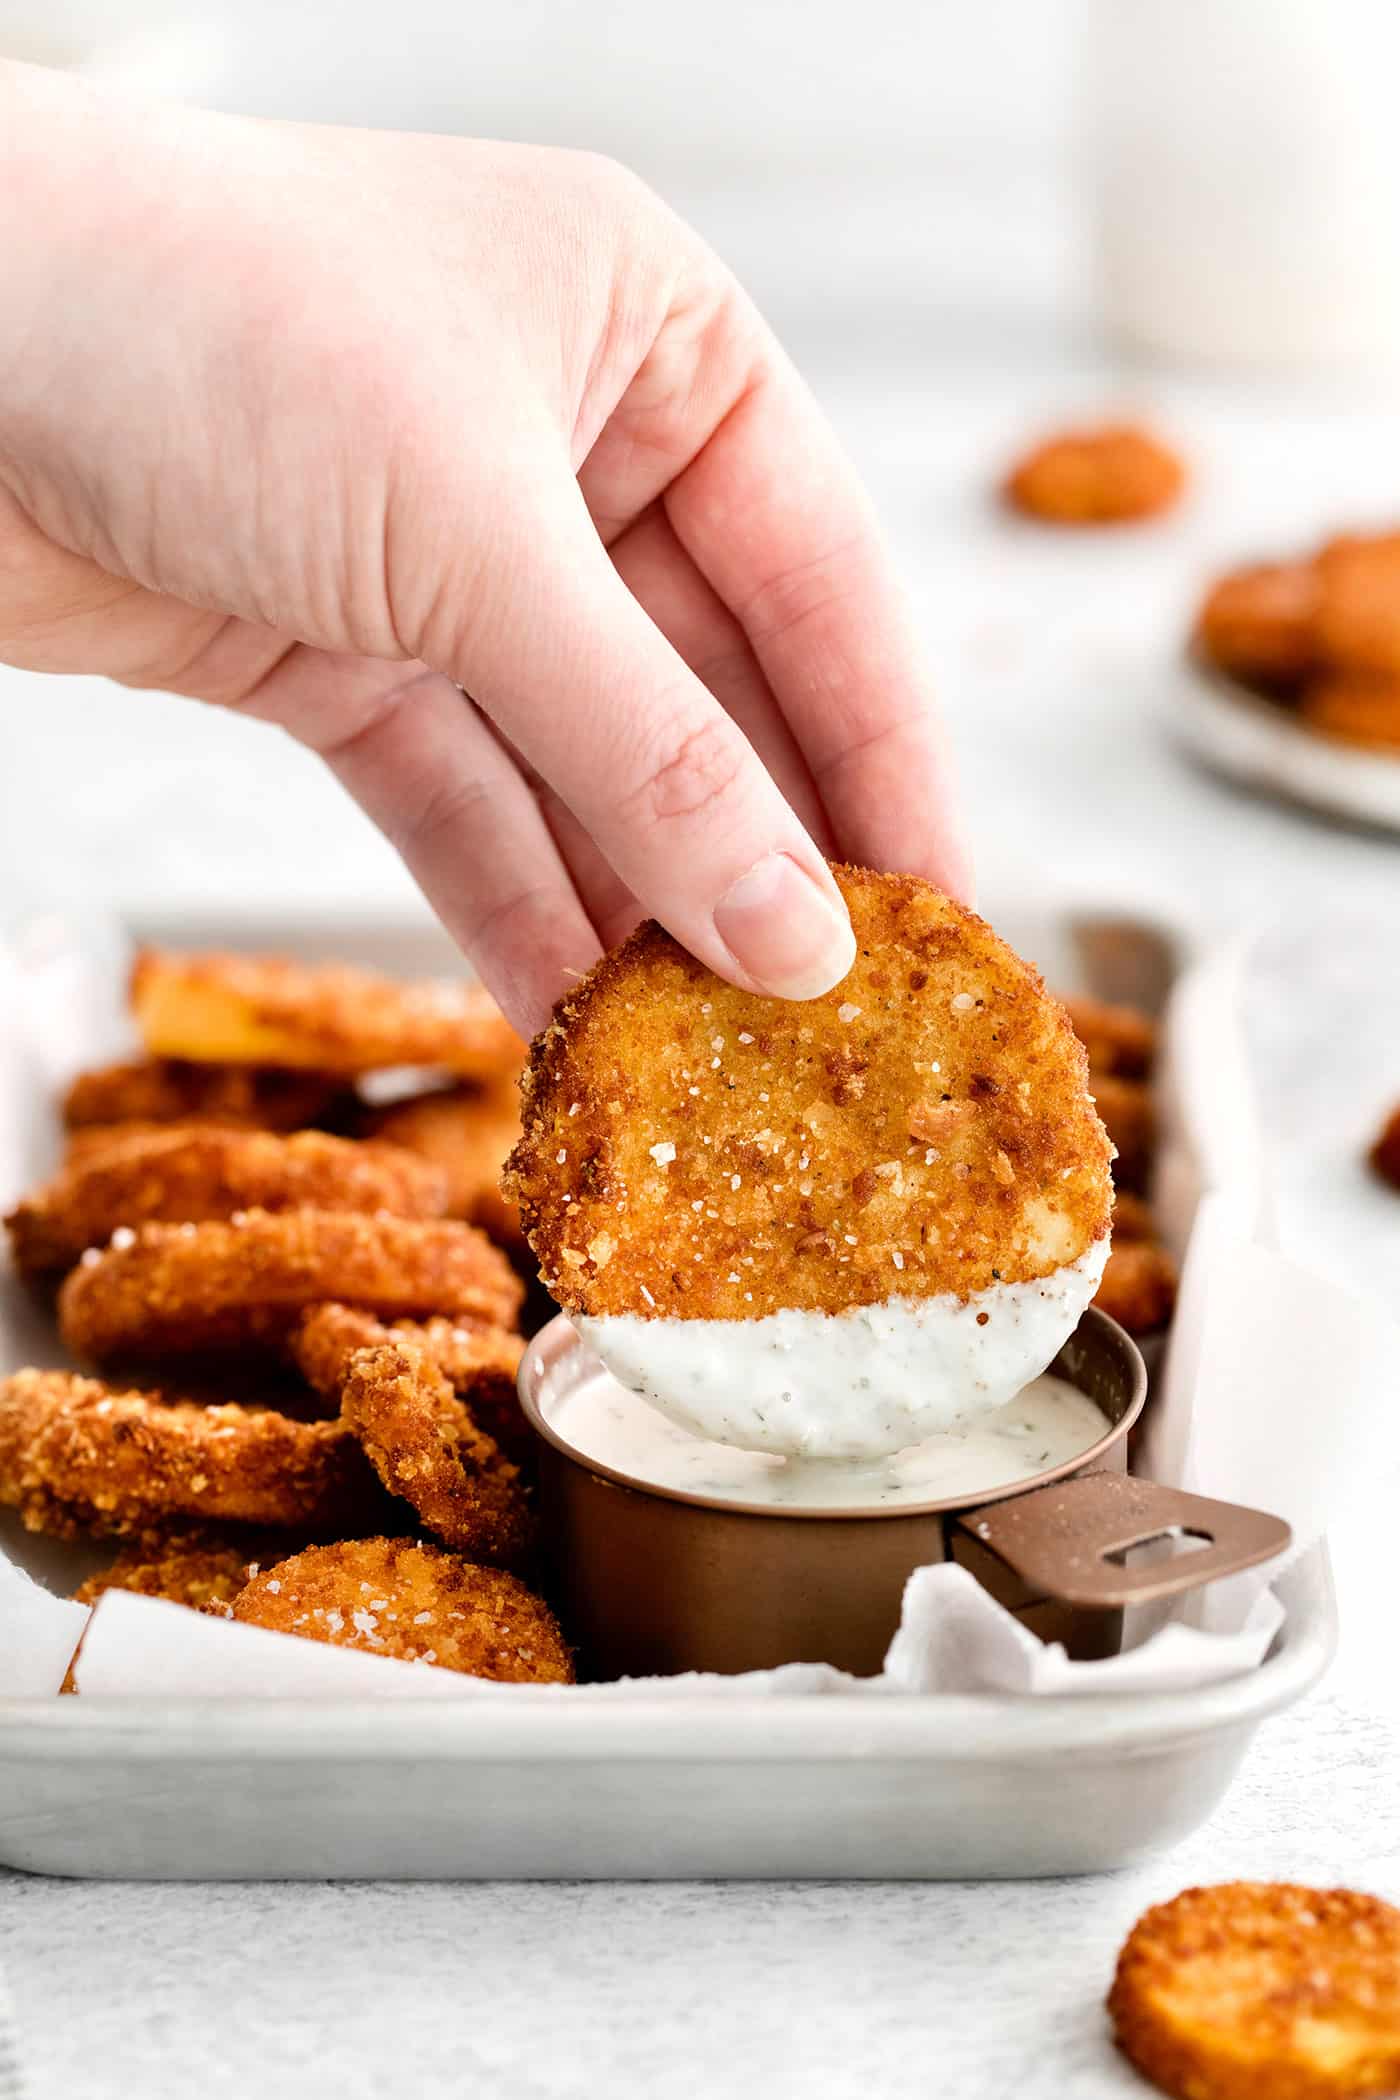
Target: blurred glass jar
[{"x": 1243, "y": 165}]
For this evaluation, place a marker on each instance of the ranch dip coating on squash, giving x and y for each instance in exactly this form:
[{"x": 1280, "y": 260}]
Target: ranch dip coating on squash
[{"x": 833, "y": 1226}]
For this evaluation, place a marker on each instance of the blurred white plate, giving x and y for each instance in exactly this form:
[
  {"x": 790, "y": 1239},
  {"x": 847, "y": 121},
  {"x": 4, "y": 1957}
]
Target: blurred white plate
[{"x": 1261, "y": 745}]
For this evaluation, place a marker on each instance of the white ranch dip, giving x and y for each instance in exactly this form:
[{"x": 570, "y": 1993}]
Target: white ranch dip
[
  {"x": 857, "y": 1384},
  {"x": 1049, "y": 1422}
]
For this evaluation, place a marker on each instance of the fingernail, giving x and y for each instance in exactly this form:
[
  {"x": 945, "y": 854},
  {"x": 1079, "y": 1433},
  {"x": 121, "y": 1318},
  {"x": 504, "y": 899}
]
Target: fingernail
[{"x": 792, "y": 938}]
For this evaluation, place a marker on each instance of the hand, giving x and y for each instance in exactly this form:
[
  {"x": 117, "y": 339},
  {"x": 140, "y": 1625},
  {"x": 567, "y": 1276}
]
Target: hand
[{"x": 325, "y": 425}]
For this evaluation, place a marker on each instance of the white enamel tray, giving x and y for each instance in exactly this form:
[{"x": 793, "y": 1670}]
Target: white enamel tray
[{"x": 754, "y": 1787}]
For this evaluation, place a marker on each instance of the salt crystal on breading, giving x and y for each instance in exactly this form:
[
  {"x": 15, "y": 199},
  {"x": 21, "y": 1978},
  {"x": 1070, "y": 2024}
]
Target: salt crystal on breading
[{"x": 663, "y": 1154}]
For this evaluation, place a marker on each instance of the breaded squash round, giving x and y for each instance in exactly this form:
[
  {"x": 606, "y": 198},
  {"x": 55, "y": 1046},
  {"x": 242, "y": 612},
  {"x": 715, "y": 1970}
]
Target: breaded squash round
[
  {"x": 1259, "y": 624},
  {"x": 426, "y": 1445},
  {"x": 925, "y": 1128},
  {"x": 479, "y": 1362},
  {"x": 79, "y": 1455},
  {"x": 1108, "y": 474},
  {"x": 1385, "y": 1152},
  {"x": 1358, "y": 610},
  {"x": 1139, "y": 1286},
  {"x": 1129, "y": 1115},
  {"x": 1355, "y": 707},
  {"x": 267, "y": 1009},
  {"x": 467, "y": 1132},
  {"x": 197, "y": 1569},
  {"x": 178, "y": 1290},
  {"x": 172, "y": 1090},
  {"x": 413, "y": 1602},
  {"x": 1132, "y": 1218},
  {"x": 1121, "y": 1040},
  {"x": 170, "y": 1176},
  {"x": 1262, "y": 1991}
]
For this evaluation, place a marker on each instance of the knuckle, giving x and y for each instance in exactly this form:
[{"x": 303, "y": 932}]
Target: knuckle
[
  {"x": 788, "y": 600},
  {"x": 691, "y": 775},
  {"x": 441, "y": 810}
]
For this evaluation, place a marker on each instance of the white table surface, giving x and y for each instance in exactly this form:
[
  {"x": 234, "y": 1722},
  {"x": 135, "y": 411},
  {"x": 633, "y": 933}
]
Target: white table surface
[{"x": 1056, "y": 658}]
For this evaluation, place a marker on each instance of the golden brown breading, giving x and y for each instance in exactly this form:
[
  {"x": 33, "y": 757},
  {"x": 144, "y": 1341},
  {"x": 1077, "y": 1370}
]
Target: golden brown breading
[
  {"x": 1358, "y": 610},
  {"x": 172, "y": 1090},
  {"x": 1121, "y": 1040},
  {"x": 479, "y": 1362},
  {"x": 1263, "y": 1991},
  {"x": 468, "y": 1133},
  {"x": 77, "y": 1454},
  {"x": 425, "y": 1446},
  {"x": 267, "y": 1009},
  {"x": 1130, "y": 1118},
  {"x": 416, "y": 1603},
  {"x": 1111, "y": 474},
  {"x": 175, "y": 1290},
  {"x": 177, "y": 1174},
  {"x": 1139, "y": 1287},
  {"x": 1385, "y": 1153},
  {"x": 698, "y": 1151},
  {"x": 1355, "y": 707},
  {"x": 200, "y": 1569},
  {"x": 1259, "y": 624},
  {"x": 1132, "y": 1218}
]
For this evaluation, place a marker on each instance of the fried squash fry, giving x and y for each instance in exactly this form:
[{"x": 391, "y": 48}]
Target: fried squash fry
[
  {"x": 1112, "y": 474},
  {"x": 268, "y": 1010},
  {"x": 1263, "y": 1991},
  {"x": 182, "y": 1290},
  {"x": 178, "y": 1175},
  {"x": 79, "y": 1455},
  {"x": 416, "y": 1603},
  {"x": 694, "y": 1150}
]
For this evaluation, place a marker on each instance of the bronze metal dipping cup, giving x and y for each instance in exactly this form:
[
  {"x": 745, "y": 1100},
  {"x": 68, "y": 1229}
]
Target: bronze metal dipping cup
[{"x": 653, "y": 1581}]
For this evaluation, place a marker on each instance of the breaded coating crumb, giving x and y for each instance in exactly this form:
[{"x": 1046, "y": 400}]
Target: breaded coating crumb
[
  {"x": 1358, "y": 611},
  {"x": 416, "y": 1603},
  {"x": 177, "y": 1290},
  {"x": 1120, "y": 1040},
  {"x": 172, "y": 1090},
  {"x": 1355, "y": 707},
  {"x": 266, "y": 1009},
  {"x": 426, "y": 1446},
  {"x": 467, "y": 1132},
  {"x": 1114, "y": 474},
  {"x": 1259, "y": 624},
  {"x": 79, "y": 1455},
  {"x": 479, "y": 1362},
  {"x": 1130, "y": 1117},
  {"x": 697, "y": 1151},
  {"x": 1263, "y": 1991},
  {"x": 177, "y": 1174},
  {"x": 1139, "y": 1287}
]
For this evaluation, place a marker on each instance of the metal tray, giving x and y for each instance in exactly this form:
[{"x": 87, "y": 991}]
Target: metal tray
[{"x": 745, "y": 1786}]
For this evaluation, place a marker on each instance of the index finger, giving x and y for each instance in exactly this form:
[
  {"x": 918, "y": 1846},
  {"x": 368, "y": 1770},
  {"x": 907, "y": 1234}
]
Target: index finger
[{"x": 774, "y": 515}]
